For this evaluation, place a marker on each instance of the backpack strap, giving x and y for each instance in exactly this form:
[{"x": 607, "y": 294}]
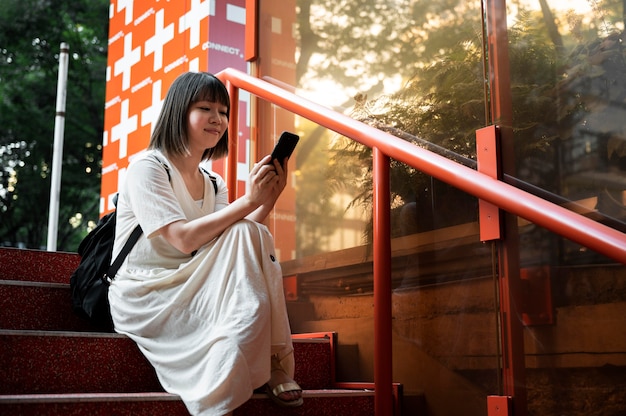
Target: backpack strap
[
  {"x": 166, "y": 167},
  {"x": 169, "y": 176},
  {"x": 132, "y": 240},
  {"x": 134, "y": 237},
  {"x": 213, "y": 178}
]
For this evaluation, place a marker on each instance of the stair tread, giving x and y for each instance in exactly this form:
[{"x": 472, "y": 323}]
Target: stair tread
[
  {"x": 324, "y": 402},
  {"x": 50, "y": 362},
  {"x": 96, "y": 397},
  {"x": 297, "y": 338}
]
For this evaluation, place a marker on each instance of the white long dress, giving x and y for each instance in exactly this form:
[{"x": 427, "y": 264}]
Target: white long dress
[{"x": 208, "y": 323}]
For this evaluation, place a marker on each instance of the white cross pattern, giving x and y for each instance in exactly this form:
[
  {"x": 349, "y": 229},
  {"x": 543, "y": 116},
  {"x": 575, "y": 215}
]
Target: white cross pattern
[
  {"x": 130, "y": 58},
  {"x": 162, "y": 35},
  {"x": 192, "y": 19},
  {"x": 128, "y": 5},
  {"x": 121, "y": 131},
  {"x": 150, "y": 114}
]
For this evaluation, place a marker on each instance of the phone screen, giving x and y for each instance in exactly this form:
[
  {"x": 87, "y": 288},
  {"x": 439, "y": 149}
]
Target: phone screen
[{"x": 285, "y": 146}]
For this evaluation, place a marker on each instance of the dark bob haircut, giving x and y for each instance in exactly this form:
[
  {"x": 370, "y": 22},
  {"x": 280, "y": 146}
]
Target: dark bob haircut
[{"x": 170, "y": 131}]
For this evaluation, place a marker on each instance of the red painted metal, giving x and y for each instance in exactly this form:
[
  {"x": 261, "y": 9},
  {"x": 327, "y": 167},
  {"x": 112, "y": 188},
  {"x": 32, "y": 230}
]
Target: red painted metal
[
  {"x": 251, "y": 36},
  {"x": 596, "y": 236},
  {"x": 511, "y": 333},
  {"x": 499, "y": 406},
  {"x": 233, "y": 141},
  {"x": 397, "y": 388},
  {"x": 487, "y": 156},
  {"x": 383, "y": 378}
]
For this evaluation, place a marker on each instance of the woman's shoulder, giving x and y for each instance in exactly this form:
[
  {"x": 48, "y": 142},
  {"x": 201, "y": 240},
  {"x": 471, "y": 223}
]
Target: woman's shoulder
[
  {"x": 147, "y": 157},
  {"x": 148, "y": 161}
]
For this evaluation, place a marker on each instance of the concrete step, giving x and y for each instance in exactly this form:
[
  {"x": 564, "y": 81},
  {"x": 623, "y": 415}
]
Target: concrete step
[
  {"x": 316, "y": 403},
  {"x": 54, "y": 362}
]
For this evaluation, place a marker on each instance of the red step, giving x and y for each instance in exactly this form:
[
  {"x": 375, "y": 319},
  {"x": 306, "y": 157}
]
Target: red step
[
  {"x": 54, "y": 363},
  {"x": 37, "y": 265},
  {"x": 316, "y": 403},
  {"x": 46, "y": 362},
  {"x": 58, "y": 373},
  {"x": 38, "y": 306}
]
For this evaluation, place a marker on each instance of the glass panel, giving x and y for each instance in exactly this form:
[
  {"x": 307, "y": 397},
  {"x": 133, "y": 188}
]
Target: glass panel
[
  {"x": 415, "y": 70},
  {"x": 575, "y": 340},
  {"x": 568, "y": 73},
  {"x": 568, "y": 79}
]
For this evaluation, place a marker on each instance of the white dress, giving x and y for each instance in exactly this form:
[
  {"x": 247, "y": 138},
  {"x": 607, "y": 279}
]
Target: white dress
[{"x": 208, "y": 323}]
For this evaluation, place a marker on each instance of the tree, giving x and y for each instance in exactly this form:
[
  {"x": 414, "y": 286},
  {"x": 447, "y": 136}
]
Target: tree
[
  {"x": 437, "y": 49},
  {"x": 31, "y": 32},
  {"x": 368, "y": 46}
]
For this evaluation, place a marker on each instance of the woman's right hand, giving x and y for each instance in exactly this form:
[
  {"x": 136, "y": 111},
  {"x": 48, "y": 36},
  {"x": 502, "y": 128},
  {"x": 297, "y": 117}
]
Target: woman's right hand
[{"x": 263, "y": 179}]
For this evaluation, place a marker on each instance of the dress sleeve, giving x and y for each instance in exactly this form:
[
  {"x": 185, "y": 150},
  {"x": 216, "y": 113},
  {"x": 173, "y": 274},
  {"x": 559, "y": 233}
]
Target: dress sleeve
[{"x": 150, "y": 195}]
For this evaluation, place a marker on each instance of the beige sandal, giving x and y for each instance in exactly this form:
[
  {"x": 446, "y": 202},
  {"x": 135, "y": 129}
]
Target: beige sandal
[{"x": 287, "y": 387}]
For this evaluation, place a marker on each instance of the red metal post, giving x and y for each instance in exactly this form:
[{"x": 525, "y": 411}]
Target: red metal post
[
  {"x": 499, "y": 406},
  {"x": 383, "y": 395},
  {"x": 487, "y": 156},
  {"x": 233, "y": 141},
  {"x": 510, "y": 285},
  {"x": 251, "y": 36}
]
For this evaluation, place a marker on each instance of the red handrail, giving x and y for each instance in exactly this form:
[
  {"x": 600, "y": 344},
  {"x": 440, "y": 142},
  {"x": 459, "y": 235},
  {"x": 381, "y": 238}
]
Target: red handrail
[{"x": 582, "y": 230}]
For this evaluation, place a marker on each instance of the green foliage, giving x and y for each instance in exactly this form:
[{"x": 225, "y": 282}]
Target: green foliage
[
  {"x": 557, "y": 90},
  {"x": 319, "y": 216},
  {"x": 31, "y": 32},
  {"x": 360, "y": 44},
  {"x": 363, "y": 44}
]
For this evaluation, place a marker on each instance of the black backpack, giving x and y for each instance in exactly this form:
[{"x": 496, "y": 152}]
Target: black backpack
[{"x": 91, "y": 279}]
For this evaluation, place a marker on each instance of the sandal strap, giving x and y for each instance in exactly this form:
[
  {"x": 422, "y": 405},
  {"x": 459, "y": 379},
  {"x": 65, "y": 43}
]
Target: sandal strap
[
  {"x": 286, "y": 387},
  {"x": 276, "y": 365}
]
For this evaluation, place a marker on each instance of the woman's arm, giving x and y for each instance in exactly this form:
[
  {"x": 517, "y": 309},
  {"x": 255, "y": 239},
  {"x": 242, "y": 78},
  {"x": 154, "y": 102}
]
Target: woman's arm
[{"x": 188, "y": 236}]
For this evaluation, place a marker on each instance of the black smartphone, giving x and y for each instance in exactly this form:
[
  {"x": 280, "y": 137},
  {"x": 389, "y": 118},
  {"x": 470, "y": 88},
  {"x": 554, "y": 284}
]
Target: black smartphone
[{"x": 285, "y": 146}]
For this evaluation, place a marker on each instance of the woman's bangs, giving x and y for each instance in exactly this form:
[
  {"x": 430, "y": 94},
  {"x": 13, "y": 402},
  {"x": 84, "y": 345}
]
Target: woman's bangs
[{"x": 214, "y": 92}]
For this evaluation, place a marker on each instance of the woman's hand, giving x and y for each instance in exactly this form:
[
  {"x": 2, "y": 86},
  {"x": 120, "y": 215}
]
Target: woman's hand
[
  {"x": 267, "y": 182},
  {"x": 281, "y": 173}
]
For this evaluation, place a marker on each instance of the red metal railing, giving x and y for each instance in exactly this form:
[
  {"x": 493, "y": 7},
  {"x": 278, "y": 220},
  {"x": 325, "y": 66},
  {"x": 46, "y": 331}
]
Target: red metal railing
[{"x": 598, "y": 237}]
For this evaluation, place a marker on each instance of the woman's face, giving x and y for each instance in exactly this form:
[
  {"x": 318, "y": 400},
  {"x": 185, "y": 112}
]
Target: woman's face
[{"x": 206, "y": 123}]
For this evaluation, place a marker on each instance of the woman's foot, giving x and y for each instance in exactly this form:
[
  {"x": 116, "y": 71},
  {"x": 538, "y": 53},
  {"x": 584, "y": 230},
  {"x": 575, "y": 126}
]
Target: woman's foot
[{"x": 281, "y": 388}]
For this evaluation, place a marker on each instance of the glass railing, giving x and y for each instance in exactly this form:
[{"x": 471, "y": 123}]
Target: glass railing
[{"x": 440, "y": 285}]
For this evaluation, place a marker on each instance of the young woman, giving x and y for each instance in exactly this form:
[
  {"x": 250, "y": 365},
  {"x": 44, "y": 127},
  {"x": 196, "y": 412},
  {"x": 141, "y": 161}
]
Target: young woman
[{"x": 201, "y": 292}]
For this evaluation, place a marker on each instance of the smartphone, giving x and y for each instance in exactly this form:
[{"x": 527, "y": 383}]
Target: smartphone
[{"x": 285, "y": 146}]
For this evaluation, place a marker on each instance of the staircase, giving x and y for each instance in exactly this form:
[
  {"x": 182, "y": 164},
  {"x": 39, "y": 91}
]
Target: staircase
[{"x": 54, "y": 363}]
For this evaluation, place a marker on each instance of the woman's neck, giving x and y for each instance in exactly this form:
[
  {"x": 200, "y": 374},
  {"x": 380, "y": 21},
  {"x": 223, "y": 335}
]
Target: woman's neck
[
  {"x": 186, "y": 165},
  {"x": 191, "y": 175}
]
